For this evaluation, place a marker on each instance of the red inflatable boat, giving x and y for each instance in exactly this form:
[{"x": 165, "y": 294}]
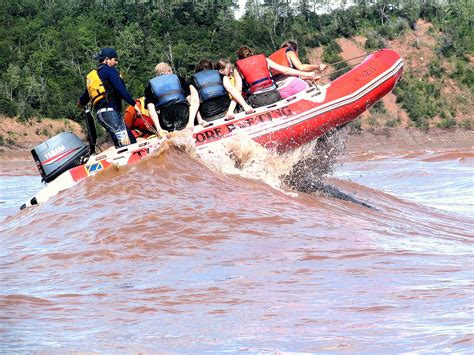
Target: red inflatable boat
[{"x": 282, "y": 126}]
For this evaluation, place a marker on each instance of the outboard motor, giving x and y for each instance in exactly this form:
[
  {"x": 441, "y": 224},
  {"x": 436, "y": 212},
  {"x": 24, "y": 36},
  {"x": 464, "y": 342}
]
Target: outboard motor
[{"x": 59, "y": 154}]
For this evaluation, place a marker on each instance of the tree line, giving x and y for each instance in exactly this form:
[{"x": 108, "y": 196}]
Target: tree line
[{"x": 47, "y": 46}]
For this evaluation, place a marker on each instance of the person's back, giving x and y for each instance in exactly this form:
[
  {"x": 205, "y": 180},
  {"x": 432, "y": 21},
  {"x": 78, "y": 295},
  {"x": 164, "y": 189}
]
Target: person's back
[
  {"x": 253, "y": 69},
  {"x": 214, "y": 100},
  {"x": 287, "y": 56},
  {"x": 114, "y": 87},
  {"x": 167, "y": 93},
  {"x": 287, "y": 85},
  {"x": 281, "y": 57}
]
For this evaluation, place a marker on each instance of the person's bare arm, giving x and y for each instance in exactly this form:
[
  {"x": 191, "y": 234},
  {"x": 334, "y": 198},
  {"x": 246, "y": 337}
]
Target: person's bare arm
[
  {"x": 295, "y": 61},
  {"x": 194, "y": 106},
  {"x": 230, "y": 111},
  {"x": 138, "y": 110},
  {"x": 291, "y": 71},
  {"x": 238, "y": 80},
  {"x": 236, "y": 96},
  {"x": 201, "y": 121},
  {"x": 154, "y": 116}
]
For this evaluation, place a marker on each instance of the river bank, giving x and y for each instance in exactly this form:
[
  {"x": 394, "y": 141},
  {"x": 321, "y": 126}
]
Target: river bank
[
  {"x": 375, "y": 140},
  {"x": 400, "y": 139}
]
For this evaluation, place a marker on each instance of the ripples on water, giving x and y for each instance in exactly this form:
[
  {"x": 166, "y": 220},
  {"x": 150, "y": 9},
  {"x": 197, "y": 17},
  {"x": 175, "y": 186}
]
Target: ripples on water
[{"x": 177, "y": 253}]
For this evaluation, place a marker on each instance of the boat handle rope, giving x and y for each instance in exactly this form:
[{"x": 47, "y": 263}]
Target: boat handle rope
[
  {"x": 152, "y": 129},
  {"x": 348, "y": 60},
  {"x": 337, "y": 71},
  {"x": 344, "y": 61}
]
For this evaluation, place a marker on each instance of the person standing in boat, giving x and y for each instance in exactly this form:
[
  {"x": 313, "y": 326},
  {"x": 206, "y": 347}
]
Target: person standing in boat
[
  {"x": 287, "y": 56},
  {"x": 105, "y": 90},
  {"x": 175, "y": 99},
  {"x": 254, "y": 70},
  {"x": 214, "y": 88}
]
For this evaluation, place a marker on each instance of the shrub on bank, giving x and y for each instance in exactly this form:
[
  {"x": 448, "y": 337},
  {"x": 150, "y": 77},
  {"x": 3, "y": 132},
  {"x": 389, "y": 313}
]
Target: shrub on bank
[
  {"x": 392, "y": 122},
  {"x": 7, "y": 107},
  {"x": 446, "y": 123},
  {"x": 418, "y": 98},
  {"x": 464, "y": 74},
  {"x": 393, "y": 29},
  {"x": 467, "y": 124},
  {"x": 435, "y": 69},
  {"x": 378, "y": 108},
  {"x": 374, "y": 41}
]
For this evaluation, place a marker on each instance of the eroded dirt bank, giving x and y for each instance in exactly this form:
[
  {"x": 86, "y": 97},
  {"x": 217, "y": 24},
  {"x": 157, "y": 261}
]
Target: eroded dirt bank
[{"x": 400, "y": 139}]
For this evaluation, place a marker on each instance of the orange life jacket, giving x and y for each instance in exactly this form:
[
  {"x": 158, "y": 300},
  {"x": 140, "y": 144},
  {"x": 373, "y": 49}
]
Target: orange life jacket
[
  {"x": 255, "y": 72},
  {"x": 135, "y": 123},
  {"x": 280, "y": 57}
]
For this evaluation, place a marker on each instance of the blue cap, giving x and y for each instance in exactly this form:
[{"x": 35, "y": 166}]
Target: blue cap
[{"x": 106, "y": 52}]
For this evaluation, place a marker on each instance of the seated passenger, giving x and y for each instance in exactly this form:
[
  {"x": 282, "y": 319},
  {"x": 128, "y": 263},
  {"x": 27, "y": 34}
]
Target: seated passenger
[
  {"x": 287, "y": 56},
  {"x": 213, "y": 87},
  {"x": 238, "y": 102},
  {"x": 139, "y": 126},
  {"x": 171, "y": 95},
  {"x": 254, "y": 70}
]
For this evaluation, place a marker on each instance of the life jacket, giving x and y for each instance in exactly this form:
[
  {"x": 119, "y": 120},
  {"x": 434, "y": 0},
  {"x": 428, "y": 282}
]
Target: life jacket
[
  {"x": 280, "y": 57},
  {"x": 255, "y": 72},
  {"x": 138, "y": 125},
  {"x": 209, "y": 85},
  {"x": 232, "y": 82},
  {"x": 167, "y": 90},
  {"x": 95, "y": 87}
]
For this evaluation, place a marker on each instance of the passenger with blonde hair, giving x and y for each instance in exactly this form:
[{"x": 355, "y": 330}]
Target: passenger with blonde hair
[
  {"x": 175, "y": 99},
  {"x": 287, "y": 56},
  {"x": 254, "y": 71}
]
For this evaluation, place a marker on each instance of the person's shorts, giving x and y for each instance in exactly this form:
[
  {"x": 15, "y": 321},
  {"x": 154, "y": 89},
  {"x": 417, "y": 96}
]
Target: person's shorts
[
  {"x": 174, "y": 117},
  {"x": 264, "y": 98},
  {"x": 293, "y": 86}
]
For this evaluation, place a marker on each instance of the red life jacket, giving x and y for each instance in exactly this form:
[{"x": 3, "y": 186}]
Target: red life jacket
[
  {"x": 137, "y": 124},
  {"x": 280, "y": 57},
  {"x": 255, "y": 72}
]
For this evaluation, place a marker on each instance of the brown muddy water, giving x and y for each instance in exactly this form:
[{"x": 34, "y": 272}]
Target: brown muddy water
[{"x": 185, "y": 254}]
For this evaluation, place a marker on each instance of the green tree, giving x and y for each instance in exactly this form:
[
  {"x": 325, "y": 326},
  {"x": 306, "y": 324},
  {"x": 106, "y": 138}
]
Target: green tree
[{"x": 11, "y": 80}]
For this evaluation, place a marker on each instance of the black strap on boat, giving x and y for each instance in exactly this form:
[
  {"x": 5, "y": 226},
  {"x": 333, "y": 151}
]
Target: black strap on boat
[{"x": 91, "y": 131}]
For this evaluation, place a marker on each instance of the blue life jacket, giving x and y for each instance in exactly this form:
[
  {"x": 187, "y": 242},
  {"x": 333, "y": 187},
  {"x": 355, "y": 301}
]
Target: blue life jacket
[
  {"x": 209, "y": 85},
  {"x": 167, "y": 90}
]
